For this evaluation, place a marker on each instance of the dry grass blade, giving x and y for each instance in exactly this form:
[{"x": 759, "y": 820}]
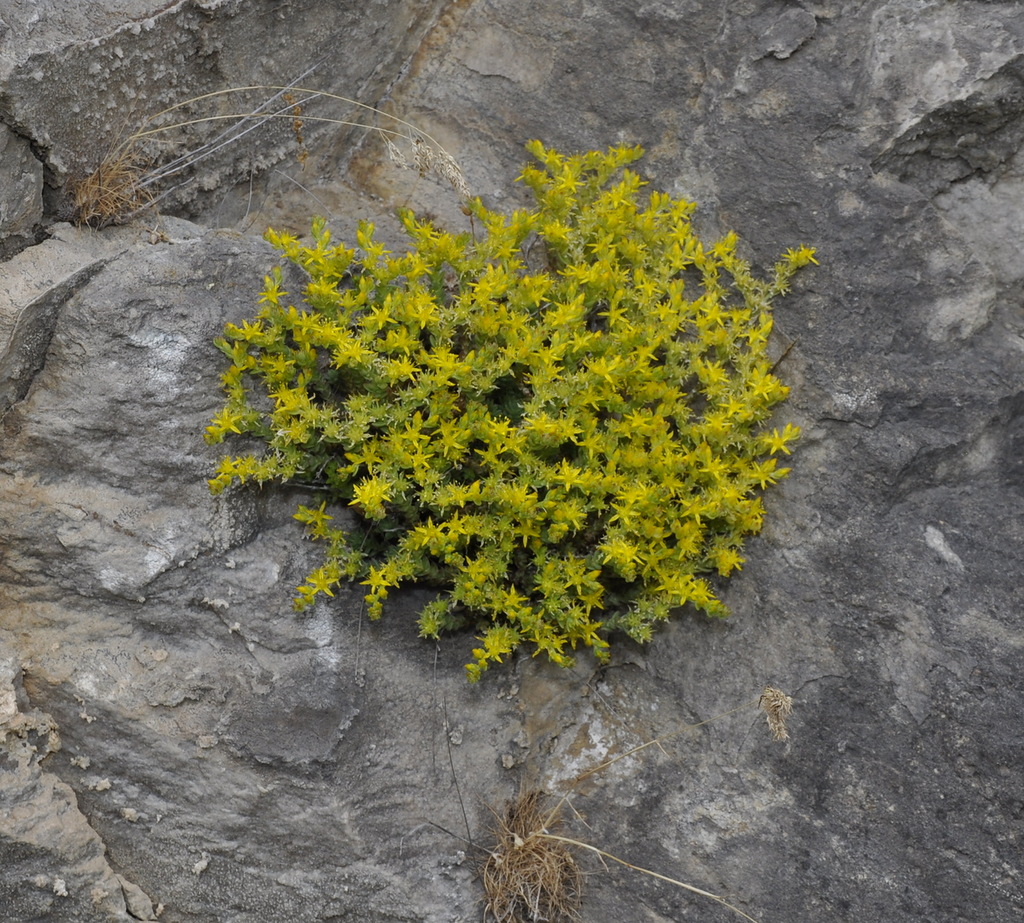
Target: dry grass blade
[
  {"x": 435, "y": 159},
  {"x": 114, "y": 190},
  {"x": 529, "y": 875},
  {"x": 119, "y": 187},
  {"x": 579, "y": 844},
  {"x": 394, "y": 154}
]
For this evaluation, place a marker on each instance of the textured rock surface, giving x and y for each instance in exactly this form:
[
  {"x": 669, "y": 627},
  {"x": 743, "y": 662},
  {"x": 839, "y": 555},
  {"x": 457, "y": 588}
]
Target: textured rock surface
[
  {"x": 21, "y": 189},
  {"x": 214, "y": 740},
  {"x": 75, "y": 79},
  {"x": 33, "y": 288},
  {"x": 235, "y": 762},
  {"x": 48, "y": 841}
]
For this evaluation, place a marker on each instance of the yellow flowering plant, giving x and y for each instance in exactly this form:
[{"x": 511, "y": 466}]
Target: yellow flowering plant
[{"x": 561, "y": 421}]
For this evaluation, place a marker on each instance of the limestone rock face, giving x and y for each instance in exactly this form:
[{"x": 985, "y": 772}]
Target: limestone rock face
[
  {"x": 21, "y": 189},
  {"x": 178, "y": 744},
  {"x": 76, "y": 80},
  {"x": 204, "y": 727}
]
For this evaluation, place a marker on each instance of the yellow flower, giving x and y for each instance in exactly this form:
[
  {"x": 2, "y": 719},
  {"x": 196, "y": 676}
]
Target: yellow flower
[
  {"x": 801, "y": 256},
  {"x": 225, "y": 421},
  {"x": 370, "y": 495},
  {"x": 776, "y": 442},
  {"x": 320, "y": 581}
]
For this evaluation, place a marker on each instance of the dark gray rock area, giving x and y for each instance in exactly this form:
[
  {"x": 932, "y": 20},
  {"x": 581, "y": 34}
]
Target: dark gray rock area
[
  {"x": 179, "y": 745},
  {"x": 77, "y": 79}
]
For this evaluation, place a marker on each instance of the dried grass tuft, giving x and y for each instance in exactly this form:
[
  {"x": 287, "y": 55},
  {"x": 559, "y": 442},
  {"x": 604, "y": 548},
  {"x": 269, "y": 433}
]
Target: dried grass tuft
[
  {"x": 530, "y": 876},
  {"x": 114, "y": 191},
  {"x": 777, "y": 707}
]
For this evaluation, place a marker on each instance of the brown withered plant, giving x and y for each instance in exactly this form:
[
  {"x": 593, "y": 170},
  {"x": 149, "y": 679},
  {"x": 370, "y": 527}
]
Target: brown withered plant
[
  {"x": 528, "y": 876},
  {"x": 125, "y": 181}
]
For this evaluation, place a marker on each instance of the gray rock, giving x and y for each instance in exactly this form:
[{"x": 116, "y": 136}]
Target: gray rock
[
  {"x": 21, "y": 187},
  {"x": 154, "y": 594},
  {"x": 55, "y": 866},
  {"x": 236, "y": 762},
  {"x": 34, "y": 286},
  {"x": 77, "y": 80},
  {"x": 787, "y": 33}
]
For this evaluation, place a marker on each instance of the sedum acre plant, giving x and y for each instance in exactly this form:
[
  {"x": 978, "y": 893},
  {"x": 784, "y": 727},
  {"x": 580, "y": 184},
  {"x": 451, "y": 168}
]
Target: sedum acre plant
[{"x": 560, "y": 421}]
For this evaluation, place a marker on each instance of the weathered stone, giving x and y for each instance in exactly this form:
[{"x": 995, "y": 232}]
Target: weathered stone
[
  {"x": 77, "y": 81},
  {"x": 21, "y": 187},
  {"x": 245, "y": 720},
  {"x": 239, "y": 762},
  {"x": 54, "y": 863},
  {"x": 33, "y": 287}
]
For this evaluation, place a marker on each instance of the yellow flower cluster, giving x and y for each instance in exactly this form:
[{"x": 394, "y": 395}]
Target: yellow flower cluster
[{"x": 562, "y": 423}]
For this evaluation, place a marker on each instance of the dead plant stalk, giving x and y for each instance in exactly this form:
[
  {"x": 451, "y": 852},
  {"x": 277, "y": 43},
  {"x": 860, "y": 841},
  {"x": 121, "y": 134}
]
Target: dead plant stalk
[{"x": 121, "y": 185}]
